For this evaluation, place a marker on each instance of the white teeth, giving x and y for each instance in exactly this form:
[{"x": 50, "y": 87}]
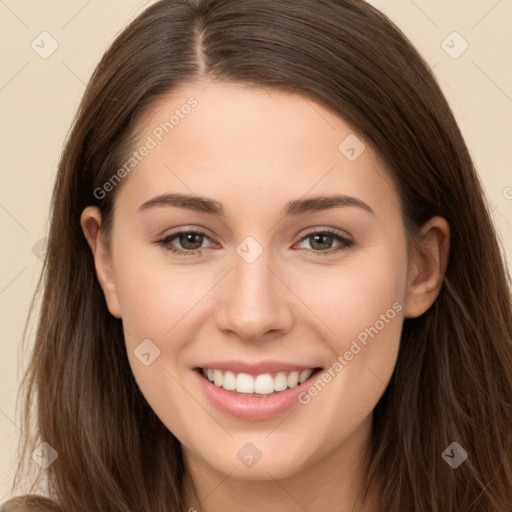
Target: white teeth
[
  {"x": 293, "y": 379},
  {"x": 244, "y": 383},
  {"x": 304, "y": 374},
  {"x": 217, "y": 377},
  {"x": 229, "y": 381},
  {"x": 280, "y": 382},
  {"x": 263, "y": 384}
]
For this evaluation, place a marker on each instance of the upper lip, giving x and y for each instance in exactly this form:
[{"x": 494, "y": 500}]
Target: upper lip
[{"x": 255, "y": 368}]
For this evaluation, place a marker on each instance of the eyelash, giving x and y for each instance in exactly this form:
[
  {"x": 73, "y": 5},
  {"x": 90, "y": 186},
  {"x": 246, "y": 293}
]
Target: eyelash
[{"x": 345, "y": 243}]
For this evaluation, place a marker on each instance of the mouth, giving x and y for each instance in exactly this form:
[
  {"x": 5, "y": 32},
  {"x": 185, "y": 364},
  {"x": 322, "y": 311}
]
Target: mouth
[{"x": 257, "y": 385}]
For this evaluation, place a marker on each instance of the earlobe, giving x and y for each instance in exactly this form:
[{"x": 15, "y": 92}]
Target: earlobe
[
  {"x": 90, "y": 220},
  {"x": 427, "y": 267}
]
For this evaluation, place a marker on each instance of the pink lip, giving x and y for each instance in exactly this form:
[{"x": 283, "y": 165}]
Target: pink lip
[
  {"x": 252, "y": 408},
  {"x": 255, "y": 368}
]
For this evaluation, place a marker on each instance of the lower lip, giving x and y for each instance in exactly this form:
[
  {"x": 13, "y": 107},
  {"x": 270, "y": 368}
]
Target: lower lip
[{"x": 253, "y": 408}]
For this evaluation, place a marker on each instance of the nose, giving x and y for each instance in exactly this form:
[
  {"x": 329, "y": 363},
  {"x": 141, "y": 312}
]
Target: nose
[{"x": 255, "y": 301}]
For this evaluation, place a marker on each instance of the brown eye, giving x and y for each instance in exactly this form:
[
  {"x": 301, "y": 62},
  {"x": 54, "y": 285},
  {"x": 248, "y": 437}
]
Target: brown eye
[
  {"x": 321, "y": 242},
  {"x": 184, "y": 242},
  {"x": 190, "y": 241}
]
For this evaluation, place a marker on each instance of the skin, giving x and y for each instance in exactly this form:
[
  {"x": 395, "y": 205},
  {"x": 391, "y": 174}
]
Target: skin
[{"x": 253, "y": 150}]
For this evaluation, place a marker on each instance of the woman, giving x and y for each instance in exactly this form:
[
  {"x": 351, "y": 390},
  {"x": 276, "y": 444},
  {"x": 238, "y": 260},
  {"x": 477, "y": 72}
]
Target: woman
[{"x": 272, "y": 279}]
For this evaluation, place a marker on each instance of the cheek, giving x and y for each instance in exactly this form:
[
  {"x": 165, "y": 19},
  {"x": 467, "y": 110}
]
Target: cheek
[
  {"x": 156, "y": 297},
  {"x": 365, "y": 289},
  {"x": 158, "y": 303},
  {"x": 360, "y": 309}
]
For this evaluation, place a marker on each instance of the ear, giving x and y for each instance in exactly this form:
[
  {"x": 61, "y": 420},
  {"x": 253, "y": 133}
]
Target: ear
[
  {"x": 90, "y": 220},
  {"x": 427, "y": 267}
]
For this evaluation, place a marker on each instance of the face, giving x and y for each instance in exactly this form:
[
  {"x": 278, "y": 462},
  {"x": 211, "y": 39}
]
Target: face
[{"x": 291, "y": 302}]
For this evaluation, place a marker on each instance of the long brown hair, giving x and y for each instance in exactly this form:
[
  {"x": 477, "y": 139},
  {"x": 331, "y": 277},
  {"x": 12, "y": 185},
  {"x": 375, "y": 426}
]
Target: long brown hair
[{"x": 453, "y": 378}]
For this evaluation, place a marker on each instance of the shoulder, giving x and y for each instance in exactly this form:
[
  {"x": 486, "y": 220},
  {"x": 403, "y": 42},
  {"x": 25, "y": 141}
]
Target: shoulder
[{"x": 30, "y": 503}]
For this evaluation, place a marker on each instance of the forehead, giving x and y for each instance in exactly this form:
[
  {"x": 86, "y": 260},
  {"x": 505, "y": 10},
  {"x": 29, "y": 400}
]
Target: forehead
[{"x": 251, "y": 147}]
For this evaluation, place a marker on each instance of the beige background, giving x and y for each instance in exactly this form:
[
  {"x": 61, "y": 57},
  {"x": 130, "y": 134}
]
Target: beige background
[{"x": 38, "y": 98}]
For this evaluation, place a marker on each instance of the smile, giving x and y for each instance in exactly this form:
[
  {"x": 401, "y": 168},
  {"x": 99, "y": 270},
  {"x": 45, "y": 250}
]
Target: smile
[
  {"x": 263, "y": 384},
  {"x": 254, "y": 392}
]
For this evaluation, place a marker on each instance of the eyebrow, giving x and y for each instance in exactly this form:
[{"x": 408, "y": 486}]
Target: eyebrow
[{"x": 292, "y": 208}]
